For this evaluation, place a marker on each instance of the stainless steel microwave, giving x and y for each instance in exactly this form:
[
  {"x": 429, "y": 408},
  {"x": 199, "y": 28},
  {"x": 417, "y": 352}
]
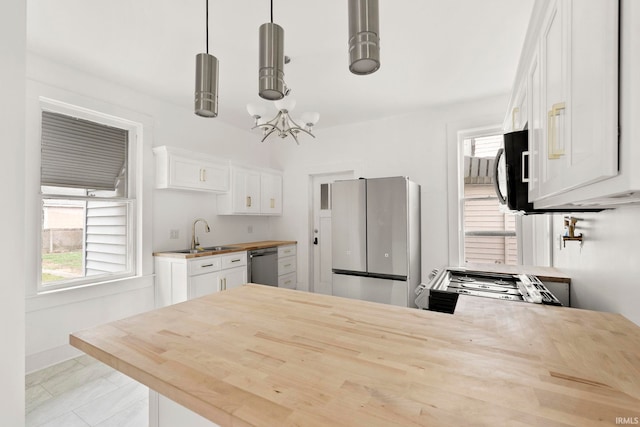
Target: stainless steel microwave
[{"x": 511, "y": 175}]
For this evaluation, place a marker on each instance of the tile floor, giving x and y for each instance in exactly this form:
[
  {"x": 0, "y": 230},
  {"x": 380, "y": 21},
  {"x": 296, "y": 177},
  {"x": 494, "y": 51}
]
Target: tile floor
[{"x": 84, "y": 392}]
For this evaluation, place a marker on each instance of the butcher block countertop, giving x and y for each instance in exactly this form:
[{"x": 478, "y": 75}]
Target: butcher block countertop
[
  {"x": 546, "y": 274},
  {"x": 266, "y": 356},
  {"x": 233, "y": 247}
]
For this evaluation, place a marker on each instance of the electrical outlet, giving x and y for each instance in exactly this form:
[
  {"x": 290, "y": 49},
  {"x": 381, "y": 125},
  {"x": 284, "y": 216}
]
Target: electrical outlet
[
  {"x": 174, "y": 234},
  {"x": 250, "y": 229}
]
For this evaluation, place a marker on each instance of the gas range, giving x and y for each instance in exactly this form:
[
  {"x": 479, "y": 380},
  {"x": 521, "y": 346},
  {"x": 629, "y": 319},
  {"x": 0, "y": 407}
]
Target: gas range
[{"x": 441, "y": 293}]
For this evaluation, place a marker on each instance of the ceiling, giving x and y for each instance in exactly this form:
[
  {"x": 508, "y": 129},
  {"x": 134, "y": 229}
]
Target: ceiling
[{"x": 433, "y": 52}]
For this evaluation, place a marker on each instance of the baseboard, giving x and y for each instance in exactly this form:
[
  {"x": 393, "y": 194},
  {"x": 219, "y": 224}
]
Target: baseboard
[{"x": 44, "y": 359}]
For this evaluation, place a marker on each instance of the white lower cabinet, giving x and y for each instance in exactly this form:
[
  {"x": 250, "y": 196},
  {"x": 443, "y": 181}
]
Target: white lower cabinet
[
  {"x": 234, "y": 273},
  {"x": 202, "y": 285},
  {"x": 180, "y": 279},
  {"x": 287, "y": 265}
]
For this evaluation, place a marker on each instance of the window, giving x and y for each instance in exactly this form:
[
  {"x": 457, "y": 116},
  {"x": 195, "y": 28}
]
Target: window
[
  {"x": 88, "y": 208},
  {"x": 489, "y": 229}
]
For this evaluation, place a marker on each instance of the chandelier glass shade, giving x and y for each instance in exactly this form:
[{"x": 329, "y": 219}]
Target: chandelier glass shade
[{"x": 282, "y": 124}]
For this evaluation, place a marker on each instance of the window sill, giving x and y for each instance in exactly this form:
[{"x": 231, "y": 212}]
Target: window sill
[{"x": 57, "y": 297}]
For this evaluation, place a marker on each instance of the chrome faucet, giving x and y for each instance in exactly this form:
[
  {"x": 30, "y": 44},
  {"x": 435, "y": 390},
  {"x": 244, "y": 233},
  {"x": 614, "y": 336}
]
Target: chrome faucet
[{"x": 194, "y": 239}]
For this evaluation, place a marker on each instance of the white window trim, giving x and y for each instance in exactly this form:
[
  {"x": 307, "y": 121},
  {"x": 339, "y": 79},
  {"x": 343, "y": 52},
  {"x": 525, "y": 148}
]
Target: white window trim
[
  {"x": 135, "y": 132},
  {"x": 535, "y": 230},
  {"x": 456, "y": 193}
]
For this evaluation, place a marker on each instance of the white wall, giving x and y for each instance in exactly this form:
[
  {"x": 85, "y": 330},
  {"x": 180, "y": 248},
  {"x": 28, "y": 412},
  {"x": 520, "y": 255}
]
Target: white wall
[
  {"x": 50, "y": 318},
  {"x": 12, "y": 251},
  {"x": 413, "y": 145},
  {"x": 605, "y": 269}
]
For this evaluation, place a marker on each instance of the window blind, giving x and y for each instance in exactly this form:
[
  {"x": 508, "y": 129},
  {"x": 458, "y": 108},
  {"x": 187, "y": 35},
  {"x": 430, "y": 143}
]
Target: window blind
[{"x": 81, "y": 154}]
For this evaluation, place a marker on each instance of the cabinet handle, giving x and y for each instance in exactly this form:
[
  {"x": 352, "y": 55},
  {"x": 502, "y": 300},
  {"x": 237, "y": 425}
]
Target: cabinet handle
[
  {"x": 287, "y": 265},
  {"x": 525, "y": 158},
  {"x": 515, "y": 111},
  {"x": 204, "y": 174},
  {"x": 248, "y": 201},
  {"x": 273, "y": 203},
  {"x": 201, "y": 175},
  {"x": 235, "y": 260},
  {"x": 553, "y": 152},
  {"x": 206, "y": 265}
]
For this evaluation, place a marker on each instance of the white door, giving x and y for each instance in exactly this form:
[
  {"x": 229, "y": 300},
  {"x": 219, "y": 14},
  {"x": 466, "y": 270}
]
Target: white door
[{"x": 322, "y": 230}]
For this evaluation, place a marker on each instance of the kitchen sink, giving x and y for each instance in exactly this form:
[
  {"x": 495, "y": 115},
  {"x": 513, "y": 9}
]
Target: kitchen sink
[
  {"x": 205, "y": 249},
  {"x": 217, "y": 248}
]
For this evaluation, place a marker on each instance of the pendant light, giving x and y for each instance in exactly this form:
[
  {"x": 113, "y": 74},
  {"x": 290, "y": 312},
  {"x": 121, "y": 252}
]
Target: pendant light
[
  {"x": 206, "y": 96},
  {"x": 271, "y": 84},
  {"x": 364, "y": 40}
]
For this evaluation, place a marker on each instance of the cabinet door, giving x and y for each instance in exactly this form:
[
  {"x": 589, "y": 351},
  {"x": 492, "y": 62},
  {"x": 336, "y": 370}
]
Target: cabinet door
[
  {"x": 579, "y": 67},
  {"x": 246, "y": 191},
  {"x": 270, "y": 194},
  {"x": 203, "y": 284},
  {"x": 195, "y": 174},
  {"x": 519, "y": 110},
  {"x": 233, "y": 278},
  {"x": 536, "y": 125},
  {"x": 186, "y": 173},
  {"x": 215, "y": 177}
]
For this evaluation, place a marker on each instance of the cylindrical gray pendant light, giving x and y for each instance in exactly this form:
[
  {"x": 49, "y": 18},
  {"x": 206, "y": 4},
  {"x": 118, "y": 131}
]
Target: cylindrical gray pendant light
[
  {"x": 206, "y": 96},
  {"x": 271, "y": 73},
  {"x": 364, "y": 40},
  {"x": 206, "y": 103}
]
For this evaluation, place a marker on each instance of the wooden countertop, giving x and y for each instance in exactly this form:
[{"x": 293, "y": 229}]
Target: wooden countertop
[
  {"x": 260, "y": 355},
  {"x": 233, "y": 247},
  {"x": 546, "y": 274}
]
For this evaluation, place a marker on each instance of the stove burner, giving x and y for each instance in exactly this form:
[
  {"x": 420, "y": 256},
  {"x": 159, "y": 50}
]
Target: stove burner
[
  {"x": 502, "y": 283},
  {"x": 465, "y": 279}
]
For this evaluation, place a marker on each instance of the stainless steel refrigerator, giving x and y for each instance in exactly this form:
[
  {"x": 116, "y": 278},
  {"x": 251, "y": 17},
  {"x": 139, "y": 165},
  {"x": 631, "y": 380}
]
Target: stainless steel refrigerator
[{"x": 375, "y": 233}]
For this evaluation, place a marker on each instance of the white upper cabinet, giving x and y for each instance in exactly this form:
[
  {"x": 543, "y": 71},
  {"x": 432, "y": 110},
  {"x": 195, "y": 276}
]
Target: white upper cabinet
[
  {"x": 518, "y": 116},
  {"x": 570, "y": 69},
  {"x": 579, "y": 64},
  {"x": 271, "y": 193},
  {"x": 252, "y": 192},
  {"x": 186, "y": 170}
]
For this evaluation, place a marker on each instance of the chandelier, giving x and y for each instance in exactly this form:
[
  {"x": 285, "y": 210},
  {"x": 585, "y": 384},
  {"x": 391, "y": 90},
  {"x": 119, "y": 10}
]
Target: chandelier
[{"x": 282, "y": 124}]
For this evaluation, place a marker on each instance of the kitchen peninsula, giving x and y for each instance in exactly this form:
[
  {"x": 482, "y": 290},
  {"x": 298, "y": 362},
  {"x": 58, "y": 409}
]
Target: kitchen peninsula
[{"x": 259, "y": 355}]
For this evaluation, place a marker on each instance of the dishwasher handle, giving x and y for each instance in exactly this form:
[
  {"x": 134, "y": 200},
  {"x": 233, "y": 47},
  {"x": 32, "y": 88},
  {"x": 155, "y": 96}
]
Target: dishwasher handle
[{"x": 263, "y": 252}]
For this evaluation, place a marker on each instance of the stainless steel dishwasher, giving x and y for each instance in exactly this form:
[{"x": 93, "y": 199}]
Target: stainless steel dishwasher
[{"x": 262, "y": 266}]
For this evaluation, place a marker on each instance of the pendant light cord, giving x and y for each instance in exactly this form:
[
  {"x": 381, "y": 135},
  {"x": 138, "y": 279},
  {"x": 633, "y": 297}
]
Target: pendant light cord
[
  {"x": 207, "y": 23},
  {"x": 271, "y": 11}
]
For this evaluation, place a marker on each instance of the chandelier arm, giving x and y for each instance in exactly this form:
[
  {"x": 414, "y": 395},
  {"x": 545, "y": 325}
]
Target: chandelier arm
[
  {"x": 264, "y": 125},
  {"x": 299, "y": 129},
  {"x": 269, "y": 133},
  {"x": 294, "y": 137},
  {"x": 295, "y": 125}
]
